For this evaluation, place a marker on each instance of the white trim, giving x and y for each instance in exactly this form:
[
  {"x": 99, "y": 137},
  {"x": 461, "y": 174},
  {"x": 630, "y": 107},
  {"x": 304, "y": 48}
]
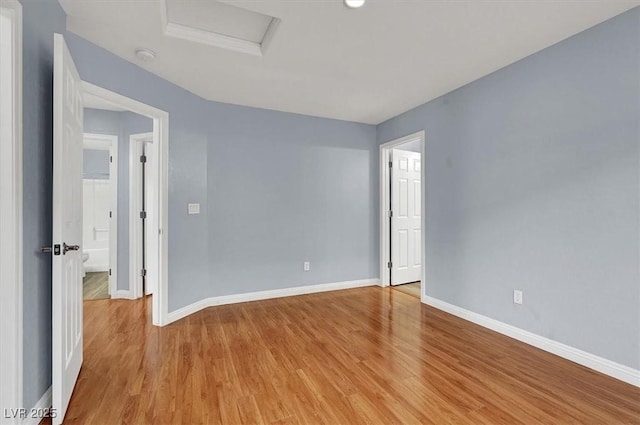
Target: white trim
[
  {"x": 159, "y": 170},
  {"x": 600, "y": 364},
  {"x": 385, "y": 199},
  {"x": 42, "y": 404},
  {"x": 135, "y": 206},
  {"x": 269, "y": 34},
  {"x": 265, "y": 295},
  {"x": 98, "y": 141},
  {"x": 122, "y": 294},
  {"x": 211, "y": 38},
  {"x": 11, "y": 230},
  {"x": 109, "y": 142}
]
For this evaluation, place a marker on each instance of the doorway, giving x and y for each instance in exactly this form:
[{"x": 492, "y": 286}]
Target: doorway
[
  {"x": 69, "y": 96},
  {"x": 156, "y": 205},
  {"x": 401, "y": 220},
  {"x": 143, "y": 217},
  {"x": 99, "y": 215}
]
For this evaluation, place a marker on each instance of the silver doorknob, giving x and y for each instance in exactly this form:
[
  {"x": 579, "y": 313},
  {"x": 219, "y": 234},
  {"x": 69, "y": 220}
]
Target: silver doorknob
[{"x": 66, "y": 248}]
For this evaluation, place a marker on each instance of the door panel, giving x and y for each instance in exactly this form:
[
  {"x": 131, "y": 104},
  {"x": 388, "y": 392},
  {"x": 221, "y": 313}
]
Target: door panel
[
  {"x": 403, "y": 198},
  {"x": 406, "y": 232},
  {"x": 403, "y": 248},
  {"x": 67, "y": 228}
]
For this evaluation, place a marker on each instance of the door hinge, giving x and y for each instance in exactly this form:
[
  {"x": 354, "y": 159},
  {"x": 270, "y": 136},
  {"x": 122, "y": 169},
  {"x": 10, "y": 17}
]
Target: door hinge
[
  {"x": 143, "y": 272},
  {"x": 109, "y": 272},
  {"x": 390, "y": 213},
  {"x": 110, "y": 214},
  {"x": 390, "y": 164},
  {"x": 143, "y": 214},
  {"x": 389, "y": 264},
  {"x": 110, "y": 158},
  {"x": 143, "y": 158}
]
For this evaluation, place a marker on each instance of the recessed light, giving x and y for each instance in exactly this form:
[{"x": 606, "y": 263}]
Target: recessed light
[
  {"x": 145, "y": 55},
  {"x": 354, "y": 4}
]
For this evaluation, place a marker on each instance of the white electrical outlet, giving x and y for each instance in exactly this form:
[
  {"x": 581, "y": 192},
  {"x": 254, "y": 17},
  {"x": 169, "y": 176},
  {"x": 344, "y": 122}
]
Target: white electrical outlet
[
  {"x": 193, "y": 208},
  {"x": 306, "y": 266},
  {"x": 517, "y": 296}
]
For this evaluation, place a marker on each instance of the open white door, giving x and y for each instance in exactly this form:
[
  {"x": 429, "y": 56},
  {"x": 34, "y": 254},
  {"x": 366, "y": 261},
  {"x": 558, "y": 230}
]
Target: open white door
[
  {"x": 67, "y": 227},
  {"x": 406, "y": 232}
]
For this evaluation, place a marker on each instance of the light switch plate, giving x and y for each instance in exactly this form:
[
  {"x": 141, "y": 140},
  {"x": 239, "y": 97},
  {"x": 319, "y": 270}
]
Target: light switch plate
[{"x": 194, "y": 208}]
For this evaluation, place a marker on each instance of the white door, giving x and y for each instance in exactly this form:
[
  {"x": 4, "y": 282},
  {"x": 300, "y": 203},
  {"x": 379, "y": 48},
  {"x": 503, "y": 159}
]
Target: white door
[
  {"x": 67, "y": 227},
  {"x": 406, "y": 232}
]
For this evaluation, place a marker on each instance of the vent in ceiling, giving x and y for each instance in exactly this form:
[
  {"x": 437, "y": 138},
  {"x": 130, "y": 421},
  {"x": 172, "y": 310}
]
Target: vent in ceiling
[{"x": 218, "y": 24}]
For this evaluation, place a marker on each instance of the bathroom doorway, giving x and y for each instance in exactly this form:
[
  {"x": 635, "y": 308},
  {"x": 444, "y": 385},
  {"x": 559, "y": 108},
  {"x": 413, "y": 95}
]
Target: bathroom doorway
[
  {"x": 122, "y": 127},
  {"x": 100, "y": 202}
]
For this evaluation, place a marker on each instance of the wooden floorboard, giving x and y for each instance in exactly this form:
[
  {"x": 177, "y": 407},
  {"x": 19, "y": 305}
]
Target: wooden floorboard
[
  {"x": 361, "y": 356},
  {"x": 409, "y": 288},
  {"x": 95, "y": 286}
]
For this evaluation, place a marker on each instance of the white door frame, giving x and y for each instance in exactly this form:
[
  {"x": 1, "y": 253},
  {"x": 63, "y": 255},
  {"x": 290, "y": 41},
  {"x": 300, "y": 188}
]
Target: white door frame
[
  {"x": 136, "y": 142},
  {"x": 385, "y": 199},
  {"x": 159, "y": 172},
  {"x": 11, "y": 302},
  {"x": 110, "y": 143}
]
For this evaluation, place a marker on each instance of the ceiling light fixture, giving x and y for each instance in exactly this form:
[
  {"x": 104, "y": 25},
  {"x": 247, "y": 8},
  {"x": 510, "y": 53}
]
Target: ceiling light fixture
[
  {"x": 354, "y": 4},
  {"x": 145, "y": 55}
]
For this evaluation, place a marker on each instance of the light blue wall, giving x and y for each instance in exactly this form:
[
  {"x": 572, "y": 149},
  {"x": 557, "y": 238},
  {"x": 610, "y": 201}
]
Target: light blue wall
[
  {"x": 270, "y": 185},
  {"x": 283, "y": 189},
  {"x": 415, "y": 146},
  {"x": 121, "y": 124},
  {"x": 532, "y": 183},
  {"x": 40, "y": 20},
  {"x": 95, "y": 164},
  {"x": 275, "y": 189}
]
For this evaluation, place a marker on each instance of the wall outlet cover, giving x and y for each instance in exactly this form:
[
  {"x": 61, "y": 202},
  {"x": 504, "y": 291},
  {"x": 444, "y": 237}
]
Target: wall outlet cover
[
  {"x": 517, "y": 296},
  {"x": 193, "y": 208}
]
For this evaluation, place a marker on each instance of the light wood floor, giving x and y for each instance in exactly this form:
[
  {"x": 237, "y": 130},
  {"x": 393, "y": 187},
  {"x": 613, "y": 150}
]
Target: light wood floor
[
  {"x": 95, "y": 286},
  {"x": 369, "y": 355},
  {"x": 409, "y": 288}
]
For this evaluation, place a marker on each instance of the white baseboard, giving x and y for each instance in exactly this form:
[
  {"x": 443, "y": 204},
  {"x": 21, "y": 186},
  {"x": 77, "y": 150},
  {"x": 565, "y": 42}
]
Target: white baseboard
[
  {"x": 122, "y": 294},
  {"x": 600, "y": 364},
  {"x": 96, "y": 268},
  {"x": 265, "y": 295},
  {"x": 43, "y": 403}
]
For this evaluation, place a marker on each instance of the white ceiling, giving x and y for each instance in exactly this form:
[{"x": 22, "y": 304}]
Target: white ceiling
[{"x": 365, "y": 65}]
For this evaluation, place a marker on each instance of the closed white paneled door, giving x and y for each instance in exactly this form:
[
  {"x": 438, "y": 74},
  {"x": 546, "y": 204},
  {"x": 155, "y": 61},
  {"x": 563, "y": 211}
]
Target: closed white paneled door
[
  {"x": 406, "y": 229},
  {"x": 67, "y": 228}
]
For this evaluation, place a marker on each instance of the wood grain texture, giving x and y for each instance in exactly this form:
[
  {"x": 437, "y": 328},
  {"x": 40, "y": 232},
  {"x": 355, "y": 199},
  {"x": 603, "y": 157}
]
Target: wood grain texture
[
  {"x": 409, "y": 289},
  {"x": 95, "y": 286},
  {"x": 361, "y": 356}
]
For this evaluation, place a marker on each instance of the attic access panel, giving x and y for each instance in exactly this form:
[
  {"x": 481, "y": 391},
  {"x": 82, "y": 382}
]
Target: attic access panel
[{"x": 218, "y": 24}]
